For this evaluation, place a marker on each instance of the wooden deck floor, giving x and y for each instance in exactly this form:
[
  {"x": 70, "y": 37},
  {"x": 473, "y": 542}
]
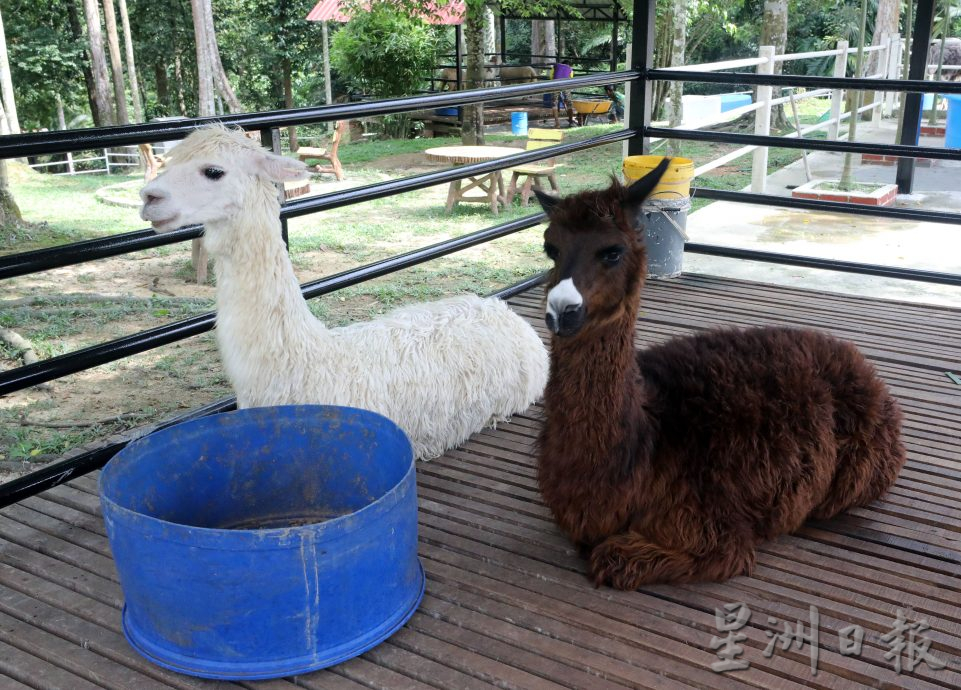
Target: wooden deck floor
[{"x": 507, "y": 603}]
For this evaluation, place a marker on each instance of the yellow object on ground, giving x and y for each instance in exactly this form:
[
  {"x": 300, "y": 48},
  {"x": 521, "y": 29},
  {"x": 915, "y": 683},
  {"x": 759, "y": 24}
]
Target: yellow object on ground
[{"x": 676, "y": 182}]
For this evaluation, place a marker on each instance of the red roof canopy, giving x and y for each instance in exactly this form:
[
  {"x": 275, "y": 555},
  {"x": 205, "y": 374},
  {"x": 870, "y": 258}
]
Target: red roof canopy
[{"x": 332, "y": 10}]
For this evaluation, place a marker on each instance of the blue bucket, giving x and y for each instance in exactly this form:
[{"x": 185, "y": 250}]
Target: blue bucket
[
  {"x": 519, "y": 124},
  {"x": 266, "y": 542},
  {"x": 952, "y": 128}
]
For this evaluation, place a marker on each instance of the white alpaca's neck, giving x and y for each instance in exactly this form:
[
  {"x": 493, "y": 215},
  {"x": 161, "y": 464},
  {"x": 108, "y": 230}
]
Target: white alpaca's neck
[{"x": 260, "y": 309}]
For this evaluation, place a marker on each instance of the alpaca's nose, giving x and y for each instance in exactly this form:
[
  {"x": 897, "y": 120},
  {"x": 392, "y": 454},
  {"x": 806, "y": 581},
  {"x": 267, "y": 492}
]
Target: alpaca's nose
[
  {"x": 565, "y": 308},
  {"x": 151, "y": 196},
  {"x": 568, "y": 322}
]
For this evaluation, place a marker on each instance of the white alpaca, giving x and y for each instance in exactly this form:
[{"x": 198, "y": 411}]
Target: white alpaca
[{"x": 440, "y": 370}]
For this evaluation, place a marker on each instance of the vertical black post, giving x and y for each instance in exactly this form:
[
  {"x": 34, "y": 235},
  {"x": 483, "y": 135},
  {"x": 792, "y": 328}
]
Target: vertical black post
[
  {"x": 458, "y": 35},
  {"x": 911, "y": 102},
  {"x": 615, "y": 49},
  {"x": 270, "y": 138},
  {"x": 642, "y": 59}
]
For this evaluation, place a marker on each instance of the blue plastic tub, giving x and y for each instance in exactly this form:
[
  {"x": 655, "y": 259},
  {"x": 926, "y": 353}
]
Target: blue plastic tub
[
  {"x": 952, "y": 128},
  {"x": 519, "y": 124},
  {"x": 730, "y": 101},
  {"x": 266, "y": 542}
]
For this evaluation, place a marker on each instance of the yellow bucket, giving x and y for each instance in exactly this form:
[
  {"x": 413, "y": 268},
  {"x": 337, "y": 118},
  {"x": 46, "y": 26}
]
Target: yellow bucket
[{"x": 676, "y": 182}]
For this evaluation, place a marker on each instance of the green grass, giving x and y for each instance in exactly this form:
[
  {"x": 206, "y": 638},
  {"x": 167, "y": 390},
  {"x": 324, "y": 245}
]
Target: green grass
[{"x": 67, "y": 209}]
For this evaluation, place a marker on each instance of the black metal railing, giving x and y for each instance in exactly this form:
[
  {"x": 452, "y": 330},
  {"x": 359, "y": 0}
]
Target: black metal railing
[
  {"x": 636, "y": 134},
  {"x": 268, "y": 124}
]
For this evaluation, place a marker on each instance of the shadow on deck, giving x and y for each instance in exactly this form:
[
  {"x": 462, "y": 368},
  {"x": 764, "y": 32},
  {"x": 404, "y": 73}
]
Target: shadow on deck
[{"x": 507, "y": 602}]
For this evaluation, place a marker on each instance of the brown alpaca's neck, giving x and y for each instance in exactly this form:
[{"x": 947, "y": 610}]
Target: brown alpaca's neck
[
  {"x": 591, "y": 379},
  {"x": 597, "y": 439}
]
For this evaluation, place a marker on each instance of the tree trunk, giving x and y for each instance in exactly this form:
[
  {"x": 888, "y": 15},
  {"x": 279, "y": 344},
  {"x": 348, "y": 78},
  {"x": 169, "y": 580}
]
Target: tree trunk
[
  {"x": 9, "y": 212},
  {"x": 887, "y": 20},
  {"x": 179, "y": 79},
  {"x": 116, "y": 65},
  {"x": 221, "y": 83},
  {"x": 6, "y": 85},
  {"x": 490, "y": 34},
  {"x": 205, "y": 84},
  {"x": 131, "y": 65},
  {"x": 678, "y": 48},
  {"x": 98, "y": 65},
  {"x": 328, "y": 96},
  {"x": 846, "y": 183},
  {"x": 163, "y": 84},
  {"x": 774, "y": 33},
  {"x": 473, "y": 127},
  {"x": 664, "y": 44},
  {"x": 543, "y": 42},
  {"x": 76, "y": 29},
  {"x": 289, "y": 102}
]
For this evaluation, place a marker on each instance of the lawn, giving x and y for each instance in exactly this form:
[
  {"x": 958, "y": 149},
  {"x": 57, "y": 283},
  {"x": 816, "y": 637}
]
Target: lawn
[{"x": 66, "y": 309}]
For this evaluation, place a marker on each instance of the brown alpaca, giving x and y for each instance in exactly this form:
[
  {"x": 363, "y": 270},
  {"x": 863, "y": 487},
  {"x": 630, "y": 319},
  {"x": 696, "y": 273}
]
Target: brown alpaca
[{"x": 672, "y": 463}]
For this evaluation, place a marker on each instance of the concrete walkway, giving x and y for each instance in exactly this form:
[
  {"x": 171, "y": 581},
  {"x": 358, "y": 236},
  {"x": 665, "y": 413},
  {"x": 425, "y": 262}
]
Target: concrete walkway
[{"x": 865, "y": 239}]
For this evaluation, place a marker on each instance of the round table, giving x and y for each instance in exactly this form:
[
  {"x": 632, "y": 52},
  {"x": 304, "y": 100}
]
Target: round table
[{"x": 490, "y": 184}]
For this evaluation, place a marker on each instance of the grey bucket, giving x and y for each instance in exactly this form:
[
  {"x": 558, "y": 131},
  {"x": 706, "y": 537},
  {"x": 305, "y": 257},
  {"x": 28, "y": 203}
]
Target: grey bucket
[{"x": 665, "y": 223}]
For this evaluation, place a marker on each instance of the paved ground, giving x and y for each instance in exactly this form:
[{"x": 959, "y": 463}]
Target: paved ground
[{"x": 932, "y": 246}]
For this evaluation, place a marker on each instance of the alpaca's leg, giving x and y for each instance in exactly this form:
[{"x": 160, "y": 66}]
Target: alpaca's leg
[{"x": 630, "y": 560}]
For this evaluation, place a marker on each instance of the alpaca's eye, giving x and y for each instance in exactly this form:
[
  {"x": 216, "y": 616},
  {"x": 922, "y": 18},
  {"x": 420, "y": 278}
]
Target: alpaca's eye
[
  {"x": 213, "y": 173},
  {"x": 551, "y": 251},
  {"x": 611, "y": 255}
]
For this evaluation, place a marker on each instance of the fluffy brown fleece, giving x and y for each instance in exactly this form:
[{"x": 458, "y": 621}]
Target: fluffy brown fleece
[{"x": 670, "y": 464}]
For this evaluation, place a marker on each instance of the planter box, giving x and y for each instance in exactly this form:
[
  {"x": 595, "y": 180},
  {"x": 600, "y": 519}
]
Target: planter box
[
  {"x": 884, "y": 195},
  {"x": 875, "y": 159},
  {"x": 932, "y": 130}
]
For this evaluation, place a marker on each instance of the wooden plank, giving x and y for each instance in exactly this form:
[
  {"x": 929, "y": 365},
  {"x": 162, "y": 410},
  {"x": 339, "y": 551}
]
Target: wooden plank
[
  {"x": 508, "y": 603},
  {"x": 8, "y": 683},
  {"x": 39, "y": 673}
]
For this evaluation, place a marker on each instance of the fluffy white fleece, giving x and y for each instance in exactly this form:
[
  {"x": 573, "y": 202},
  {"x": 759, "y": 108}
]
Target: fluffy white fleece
[{"x": 441, "y": 370}]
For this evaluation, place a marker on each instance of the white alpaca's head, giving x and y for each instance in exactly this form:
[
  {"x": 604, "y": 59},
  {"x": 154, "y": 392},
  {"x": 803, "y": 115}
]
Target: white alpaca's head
[{"x": 210, "y": 176}]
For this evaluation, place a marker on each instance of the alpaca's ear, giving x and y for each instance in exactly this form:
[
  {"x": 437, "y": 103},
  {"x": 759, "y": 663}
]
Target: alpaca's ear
[
  {"x": 640, "y": 190},
  {"x": 548, "y": 201},
  {"x": 280, "y": 168}
]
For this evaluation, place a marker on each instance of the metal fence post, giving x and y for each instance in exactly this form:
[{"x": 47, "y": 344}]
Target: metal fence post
[
  {"x": 762, "y": 122},
  {"x": 837, "y": 96},
  {"x": 911, "y": 102},
  {"x": 638, "y": 96}
]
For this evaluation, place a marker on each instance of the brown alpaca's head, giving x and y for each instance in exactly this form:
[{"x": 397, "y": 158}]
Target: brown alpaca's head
[{"x": 596, "y": 242}]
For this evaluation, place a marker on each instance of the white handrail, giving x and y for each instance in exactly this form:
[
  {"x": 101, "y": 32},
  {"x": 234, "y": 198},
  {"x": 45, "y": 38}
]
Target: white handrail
[
  {"x": 888, "y": 66},
  {"x": 712, "y": 66}
]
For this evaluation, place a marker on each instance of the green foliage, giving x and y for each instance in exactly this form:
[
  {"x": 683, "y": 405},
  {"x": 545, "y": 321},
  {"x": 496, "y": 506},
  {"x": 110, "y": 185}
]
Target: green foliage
[
  {"x": 45, "y": 60},
  {"x": 384, "y": 51}
]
